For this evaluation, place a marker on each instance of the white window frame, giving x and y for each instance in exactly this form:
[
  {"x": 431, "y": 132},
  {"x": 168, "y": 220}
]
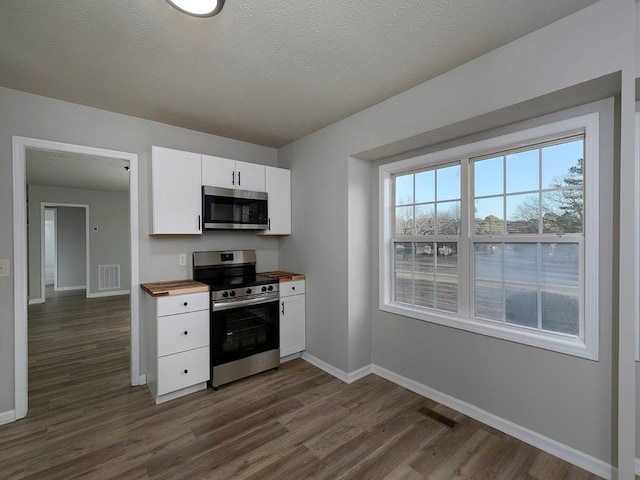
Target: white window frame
[{"x": 586, "y": 344}]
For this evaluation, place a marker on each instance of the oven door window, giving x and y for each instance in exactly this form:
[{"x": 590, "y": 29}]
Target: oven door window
[{"x": 244, "y": 331}]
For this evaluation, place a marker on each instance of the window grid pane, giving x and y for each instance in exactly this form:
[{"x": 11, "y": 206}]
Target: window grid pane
[
  {"x": 528, "y": 284},
  {"x": 426, "y": 274},
  {"x": 542, "y": 191}
]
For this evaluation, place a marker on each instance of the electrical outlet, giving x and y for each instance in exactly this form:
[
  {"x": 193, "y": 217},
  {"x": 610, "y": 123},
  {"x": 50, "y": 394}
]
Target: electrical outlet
[
  {"x": 4, "y": 268},
  {"x": 182, "y": 259}
]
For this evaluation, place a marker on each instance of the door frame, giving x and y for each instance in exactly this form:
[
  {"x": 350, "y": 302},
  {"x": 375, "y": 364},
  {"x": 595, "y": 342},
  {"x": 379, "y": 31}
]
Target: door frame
[
  {"x": 87, "y": 264},
  {"x": 19, "y": 147}
]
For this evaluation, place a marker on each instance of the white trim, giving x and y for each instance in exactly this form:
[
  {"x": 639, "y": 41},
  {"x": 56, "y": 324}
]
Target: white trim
[
  {"x": 142, "y": 380},
  {"x": 20, "y": 276},
  {"x": 72, "y": 288},
  {"x": 288, "y": 358},
  {"x": 87, "y": 287},
  {"x": 7, "y": 417},
  {"x": 637, "y": 466},
  {"x": 339, "y": 374},
  {"x": 19, "y": 146},
  {"x": 637, "y": 232},
  {"x": 36, "y": 301},
  {"x": 549, "y": 445},
  {"x": 111, "y": 293},
  {"x": 587, "y": 347}
]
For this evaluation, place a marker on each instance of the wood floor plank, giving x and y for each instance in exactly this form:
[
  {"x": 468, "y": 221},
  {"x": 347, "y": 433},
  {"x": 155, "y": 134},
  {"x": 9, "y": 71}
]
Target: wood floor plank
[{"x": 86, "y": 422}]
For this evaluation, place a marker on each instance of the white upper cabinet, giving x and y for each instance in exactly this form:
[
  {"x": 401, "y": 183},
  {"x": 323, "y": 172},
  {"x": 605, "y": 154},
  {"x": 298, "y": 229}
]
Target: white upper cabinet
[
  {"x": 278, "y": 187},
  {"x": 176, "y": 181},
  {"x": 227, "y": 173}
]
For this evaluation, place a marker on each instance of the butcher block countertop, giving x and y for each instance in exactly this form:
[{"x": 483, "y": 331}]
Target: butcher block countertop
[
  {"x": 176, "y": 287},
  {"x": 284, "y": 276}
]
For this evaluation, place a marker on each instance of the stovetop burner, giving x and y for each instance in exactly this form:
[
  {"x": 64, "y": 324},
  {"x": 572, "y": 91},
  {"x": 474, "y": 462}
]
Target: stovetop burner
[
  {"x": 233, "y": 272},
  {"x": 237, "y": 282}
]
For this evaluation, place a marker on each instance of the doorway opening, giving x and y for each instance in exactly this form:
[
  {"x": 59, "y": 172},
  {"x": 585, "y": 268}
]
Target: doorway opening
[
  {"x": 94, "y": 157},
  {"x": 64, "y": 250}
]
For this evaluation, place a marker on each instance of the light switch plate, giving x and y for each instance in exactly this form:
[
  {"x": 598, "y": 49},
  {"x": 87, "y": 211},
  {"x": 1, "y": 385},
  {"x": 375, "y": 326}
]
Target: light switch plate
[
  {"x": 4, "y": 267},
  {"x": 182, "y": 259}
]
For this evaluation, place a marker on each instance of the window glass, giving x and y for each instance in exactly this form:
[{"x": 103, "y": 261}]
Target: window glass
[
  {"x": 488, "y": 175},
  {"x": 507, "y": 257},
  {"x": 522, "y": 171}
]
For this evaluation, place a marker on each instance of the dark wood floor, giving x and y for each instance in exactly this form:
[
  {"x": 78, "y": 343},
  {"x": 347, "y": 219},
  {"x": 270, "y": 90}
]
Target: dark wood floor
[{"x": 298, "y": 422}]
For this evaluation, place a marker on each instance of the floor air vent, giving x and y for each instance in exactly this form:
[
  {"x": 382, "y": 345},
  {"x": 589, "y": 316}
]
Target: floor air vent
[
  {"x": 438, "y": 417},
  {"x": 108, "y": 277}
]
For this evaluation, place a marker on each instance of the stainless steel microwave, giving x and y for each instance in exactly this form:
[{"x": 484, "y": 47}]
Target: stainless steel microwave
[{"x": 229, "y": 209}]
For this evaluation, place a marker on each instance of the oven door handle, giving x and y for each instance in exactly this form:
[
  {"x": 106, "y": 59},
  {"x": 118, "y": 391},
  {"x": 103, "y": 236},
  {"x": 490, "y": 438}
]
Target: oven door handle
[{"x": 228, "y": 305}]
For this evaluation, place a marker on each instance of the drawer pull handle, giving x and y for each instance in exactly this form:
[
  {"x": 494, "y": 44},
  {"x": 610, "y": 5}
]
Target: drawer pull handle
[
  {"x": 186, "y": 332},
  {"x": 185, "y": 304},
  {"x": 186, "y": 371},
  {"x": 293, "y": 288}
]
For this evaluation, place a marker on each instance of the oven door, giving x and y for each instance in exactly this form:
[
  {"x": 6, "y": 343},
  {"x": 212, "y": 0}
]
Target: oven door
[{"x": 244, "y": 330}]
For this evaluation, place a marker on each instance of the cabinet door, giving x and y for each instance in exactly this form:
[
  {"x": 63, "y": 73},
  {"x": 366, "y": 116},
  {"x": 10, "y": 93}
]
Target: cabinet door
[
  {"x": 218, "y": 172},
  {"x": 182, "y": 370},
  {"x": 292, "y": 325},
  {"x": 278, "y": 187},
  {"x": 176, "y": 191},
  {"x": 250, "y": 176}
]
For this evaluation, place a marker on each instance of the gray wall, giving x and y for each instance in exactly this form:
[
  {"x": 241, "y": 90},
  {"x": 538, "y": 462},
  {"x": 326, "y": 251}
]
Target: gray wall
[
  {"x": 565, "y": 398},
  {"x": 72, "y": 247},
  {"x": 33, "y": 116},
  {"x": 109, "y": 245}
]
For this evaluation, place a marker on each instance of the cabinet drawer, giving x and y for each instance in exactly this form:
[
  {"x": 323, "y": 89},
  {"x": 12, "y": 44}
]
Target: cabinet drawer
[
  {"x": 184, "y": 331},
  {"x": 295, "y": 287},
  {"x": 182, "y": 370},
  {"x": 189, "y": 302}
]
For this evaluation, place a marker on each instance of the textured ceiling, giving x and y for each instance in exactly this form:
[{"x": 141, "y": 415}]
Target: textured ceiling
[
  {"x": 266, "y": 72},
  {"x": 74, "y": 170}
]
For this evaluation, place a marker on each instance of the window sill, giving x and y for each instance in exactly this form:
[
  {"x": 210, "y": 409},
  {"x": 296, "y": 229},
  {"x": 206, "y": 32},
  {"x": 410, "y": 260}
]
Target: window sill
[{"x": 546, "y": 340}]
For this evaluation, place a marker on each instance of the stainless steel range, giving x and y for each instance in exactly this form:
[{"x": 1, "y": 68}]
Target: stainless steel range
[{"x": 244, "y": 314}]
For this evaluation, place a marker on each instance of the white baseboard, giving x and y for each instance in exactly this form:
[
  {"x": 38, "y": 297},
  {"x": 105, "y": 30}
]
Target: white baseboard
[
  {"x": 7, "y": 417},
  {"x": 339, "y": 374},
  {"x": 66, "y": 289},
  {"x": 142, "y": 380},
  {"x": 288, "y": 358},
  {"x": 553, "y": 447},
  {"x": 637, "y": 466},
  {"x": 35, "y": 301},
  {"x": 111, "y": 293}
]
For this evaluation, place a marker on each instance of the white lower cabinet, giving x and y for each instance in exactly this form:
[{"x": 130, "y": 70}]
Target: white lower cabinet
[
  {"x": 181, "y": 370},
  {"x": 177, "y": 331},
  {"x": 292, "y": 317}
]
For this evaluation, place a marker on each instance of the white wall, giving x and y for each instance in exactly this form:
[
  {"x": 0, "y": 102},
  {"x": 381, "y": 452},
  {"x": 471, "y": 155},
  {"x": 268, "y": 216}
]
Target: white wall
[
  {"x": 563, "y": 398},
  {"x": 33, "y": 116}
]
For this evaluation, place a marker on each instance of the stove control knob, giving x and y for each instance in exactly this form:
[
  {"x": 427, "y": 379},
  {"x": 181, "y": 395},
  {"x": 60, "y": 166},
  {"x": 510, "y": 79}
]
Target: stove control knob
[
  {"x": 270, "y": 287},
  {"x": 264, "y": 289},
  {"x": 233, "y": 293},
  {"x": 248, "y": 291},
  {"x": 225, "y": 294}
]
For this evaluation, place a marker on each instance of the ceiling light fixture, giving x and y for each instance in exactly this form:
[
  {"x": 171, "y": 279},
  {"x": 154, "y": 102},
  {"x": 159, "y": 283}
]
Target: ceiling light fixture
[{"x": 198, "y": 8}]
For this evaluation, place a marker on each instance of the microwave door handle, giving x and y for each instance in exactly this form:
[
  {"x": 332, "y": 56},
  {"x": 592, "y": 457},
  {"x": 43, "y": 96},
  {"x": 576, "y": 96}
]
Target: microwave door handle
[{"x": 198, "y": 222}]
